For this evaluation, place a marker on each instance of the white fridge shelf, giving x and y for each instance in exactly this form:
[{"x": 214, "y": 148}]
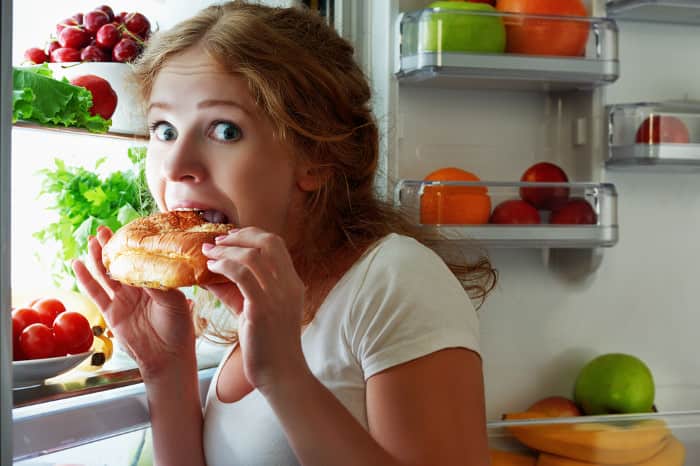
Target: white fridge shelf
[
  {"x": 433, "y": 51},
  {"x": 659, "y": 11},
  {"x": 463, "y": 212},
  {"x": 664, "y": 135}
]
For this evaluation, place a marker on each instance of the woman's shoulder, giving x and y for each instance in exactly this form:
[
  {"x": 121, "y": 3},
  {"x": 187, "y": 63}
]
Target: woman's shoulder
[{"x": 404, "y": 253}]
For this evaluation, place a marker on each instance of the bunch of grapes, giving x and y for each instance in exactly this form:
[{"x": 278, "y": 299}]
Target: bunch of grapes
[{"x": 98, "y": 35}]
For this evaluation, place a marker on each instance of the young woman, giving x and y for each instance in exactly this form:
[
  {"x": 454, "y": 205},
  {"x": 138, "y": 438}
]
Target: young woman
[{"x": 356, "y": 344}]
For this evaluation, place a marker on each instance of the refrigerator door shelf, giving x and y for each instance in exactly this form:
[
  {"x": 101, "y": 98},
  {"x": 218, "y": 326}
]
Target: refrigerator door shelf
[
  {"x": 671, "y": 438},
  {"x": 439, "y": 208},
  {"x": 665, "y": 11},
  {"x": 472, "y": 71},
  {"x": 663, "y": 135},
  {"x": 433, "y": 49}
]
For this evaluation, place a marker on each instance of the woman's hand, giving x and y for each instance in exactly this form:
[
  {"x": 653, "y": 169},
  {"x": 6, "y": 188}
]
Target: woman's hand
[
  {"x": 268, "y": 296},
  {"x": 154, "y": 326}
]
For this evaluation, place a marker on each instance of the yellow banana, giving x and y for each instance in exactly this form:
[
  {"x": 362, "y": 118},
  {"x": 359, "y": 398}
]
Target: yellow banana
[
  {"x": 594, "y": 442},
  {"x": 102, "y": 348},
  {"x": 507, "y": 458},
  {"x": 672, "y": 454}
]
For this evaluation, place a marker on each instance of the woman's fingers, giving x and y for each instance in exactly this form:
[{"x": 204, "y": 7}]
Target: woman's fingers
[
  {"x": 272, "y": 247},
  {"x": 229, "y": 294},
  {"x": 252, "y": 258},
  {"x": 98, "y": 268},
  {"x": 241, "y": 275},
  {"x": 91, "y": 286}
]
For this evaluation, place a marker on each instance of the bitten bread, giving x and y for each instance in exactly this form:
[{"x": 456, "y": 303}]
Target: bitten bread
[{"x": 163, "y": 251}]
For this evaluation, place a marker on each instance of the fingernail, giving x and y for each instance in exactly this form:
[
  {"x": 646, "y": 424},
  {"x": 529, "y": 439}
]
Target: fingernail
[
  {"x": 219, "y": 238},
  {"x": 233, "y": 230},
  {"x": 207, "y": 246}
]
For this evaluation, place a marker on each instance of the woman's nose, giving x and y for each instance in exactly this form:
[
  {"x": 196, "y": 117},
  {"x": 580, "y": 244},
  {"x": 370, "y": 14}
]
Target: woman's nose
[{"x": 184, "y": 163}]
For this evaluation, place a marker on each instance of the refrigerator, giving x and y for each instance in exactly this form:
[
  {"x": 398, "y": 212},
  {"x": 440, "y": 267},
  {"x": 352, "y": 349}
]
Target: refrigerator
[{"x": 567, "y": 292}]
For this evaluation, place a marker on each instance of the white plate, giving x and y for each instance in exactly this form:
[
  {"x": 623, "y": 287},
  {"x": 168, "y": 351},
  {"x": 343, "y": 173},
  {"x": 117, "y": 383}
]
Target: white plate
[{"x": 34, "y": 371}]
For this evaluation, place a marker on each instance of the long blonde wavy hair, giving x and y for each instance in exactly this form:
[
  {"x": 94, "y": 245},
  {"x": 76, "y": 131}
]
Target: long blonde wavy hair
[{"x": 304, "y": 77}]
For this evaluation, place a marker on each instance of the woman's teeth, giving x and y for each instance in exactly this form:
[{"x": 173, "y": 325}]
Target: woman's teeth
[{"x": 209, "y": 215}]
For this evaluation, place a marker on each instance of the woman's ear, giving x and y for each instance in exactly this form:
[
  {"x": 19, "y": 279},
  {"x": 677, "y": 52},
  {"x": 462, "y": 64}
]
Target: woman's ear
[{"x": 310, "y": 178}]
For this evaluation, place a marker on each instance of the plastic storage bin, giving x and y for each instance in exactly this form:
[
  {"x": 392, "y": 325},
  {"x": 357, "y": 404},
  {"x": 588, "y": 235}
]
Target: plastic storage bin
[
  {"x": 650, "y": 134},
  {"x": 487, "y": 49},
  {"x": 580, "y": 215},
  {"x": 668, "y": 439},
  {"x": 660, "y": 11}
]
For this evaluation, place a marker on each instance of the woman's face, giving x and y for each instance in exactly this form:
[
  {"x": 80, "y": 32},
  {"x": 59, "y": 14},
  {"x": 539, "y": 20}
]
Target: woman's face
[{"x": 211, "y": 149}]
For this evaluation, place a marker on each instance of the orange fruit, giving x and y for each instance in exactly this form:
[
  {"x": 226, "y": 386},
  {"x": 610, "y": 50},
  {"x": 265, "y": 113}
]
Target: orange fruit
[{"x": 454, "y": 205}]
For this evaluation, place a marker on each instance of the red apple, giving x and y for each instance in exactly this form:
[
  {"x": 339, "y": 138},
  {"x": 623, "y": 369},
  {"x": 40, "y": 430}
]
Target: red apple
[
  {"x": 104, "y": 99},
  {"x": 657, "y": 129},
  {"x": 515, "y": 211},
  {"x": 556, "y": 406},
  {"x": 576, "y": 211},
  {"x": 545, "y": 198}
]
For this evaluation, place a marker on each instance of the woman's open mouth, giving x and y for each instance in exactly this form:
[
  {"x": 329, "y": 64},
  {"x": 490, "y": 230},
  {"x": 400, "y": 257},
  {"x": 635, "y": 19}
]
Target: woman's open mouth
[{"x": 209, "y": 215}]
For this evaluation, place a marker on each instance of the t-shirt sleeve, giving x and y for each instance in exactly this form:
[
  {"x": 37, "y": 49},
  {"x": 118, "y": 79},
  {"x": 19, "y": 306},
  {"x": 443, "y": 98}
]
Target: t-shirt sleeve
[{"x": 409, "y": 305}]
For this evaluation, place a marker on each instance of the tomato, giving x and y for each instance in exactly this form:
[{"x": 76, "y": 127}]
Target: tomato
[
  {"x": 17, "y": 354},
  {"x": 37, "y": 342},
  {"x": 657, "y": 129},
  {"x": 515, "y": 211},
  {"x": 539, "y": 36},
  {"x": 575, "y": 212},
  {"x": 48, "y": 309},
  {"x": 545, "y": 198},
  {"x": 72, "y": 330}
]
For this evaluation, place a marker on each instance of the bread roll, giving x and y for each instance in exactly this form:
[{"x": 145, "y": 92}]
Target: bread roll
[{"x": 163, "y": 251}]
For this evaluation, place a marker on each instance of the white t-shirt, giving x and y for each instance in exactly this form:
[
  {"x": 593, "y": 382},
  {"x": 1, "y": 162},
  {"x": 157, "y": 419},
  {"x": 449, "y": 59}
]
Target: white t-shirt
[{"x": 398, "y": 302}]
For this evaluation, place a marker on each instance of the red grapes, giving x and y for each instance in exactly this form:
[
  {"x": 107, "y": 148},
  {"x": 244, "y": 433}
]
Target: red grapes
[{"x": 97, "y": 35}]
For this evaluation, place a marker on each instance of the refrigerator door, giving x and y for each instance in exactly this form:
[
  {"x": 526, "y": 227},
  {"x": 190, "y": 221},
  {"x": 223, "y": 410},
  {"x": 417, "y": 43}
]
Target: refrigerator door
[{"x": 5, "y": 329}]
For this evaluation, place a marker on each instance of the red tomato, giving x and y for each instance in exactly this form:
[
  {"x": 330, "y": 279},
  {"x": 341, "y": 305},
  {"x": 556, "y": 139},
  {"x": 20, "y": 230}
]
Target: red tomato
[
  {"x": 545, "y": 198},
  {"x": 72, "y": 331},
  {"x": 575, "y": 212},
  {"x": 514, "y": 212},
  {"x": 17, "y": 354},
  {"x": 24, "y": 317},
  {"x": 48, "y": 309},
  {"x": 37, "y": 342},
  {"x": 657, "y": 129},
  {"x": 537, "y": 36}
]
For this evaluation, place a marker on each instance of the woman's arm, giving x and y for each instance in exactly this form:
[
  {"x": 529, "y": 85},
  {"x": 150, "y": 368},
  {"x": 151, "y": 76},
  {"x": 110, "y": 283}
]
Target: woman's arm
[
  {"x": 176, "y": 416},
  {"x": 426, "y": 412}
]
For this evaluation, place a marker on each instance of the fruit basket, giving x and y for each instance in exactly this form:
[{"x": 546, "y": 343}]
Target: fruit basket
[
  {"x": 666, "y": 11},
  {"x": 664, "y": 439},
  {"x": 492, "y": 49},
  {"x": 654, "y": 134},
  {"x": 502, "y": 214}
]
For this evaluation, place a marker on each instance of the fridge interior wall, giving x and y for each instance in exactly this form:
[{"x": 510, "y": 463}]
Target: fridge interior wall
[{"x": 548, "y": 317}]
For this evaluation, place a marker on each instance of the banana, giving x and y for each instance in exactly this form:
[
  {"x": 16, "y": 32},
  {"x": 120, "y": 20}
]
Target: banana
[
  {"x": 593, "y": 442},
  {"x": 507, "y": 458},
  {"x": 673, "y": 454},
  {"x": 103, "y": 349}
]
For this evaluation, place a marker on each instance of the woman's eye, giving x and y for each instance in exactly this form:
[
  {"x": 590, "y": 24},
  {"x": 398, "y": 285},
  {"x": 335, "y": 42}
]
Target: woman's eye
[
  {"x": 225, "y": 131},
  {"x": 164, "y": 131}
]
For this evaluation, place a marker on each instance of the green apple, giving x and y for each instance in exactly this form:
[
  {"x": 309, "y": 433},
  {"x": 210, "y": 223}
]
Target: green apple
[
  {"x": 615, "y": 383},
  {"x": 460, "y": 31}
]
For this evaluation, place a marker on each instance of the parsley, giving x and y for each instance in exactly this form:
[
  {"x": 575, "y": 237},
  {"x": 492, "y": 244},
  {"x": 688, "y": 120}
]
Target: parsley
[{"x": 84, "y": 201}]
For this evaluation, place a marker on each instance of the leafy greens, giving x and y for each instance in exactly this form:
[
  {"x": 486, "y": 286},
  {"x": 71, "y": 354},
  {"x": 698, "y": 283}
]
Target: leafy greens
[{"x": 85, "y": 201}]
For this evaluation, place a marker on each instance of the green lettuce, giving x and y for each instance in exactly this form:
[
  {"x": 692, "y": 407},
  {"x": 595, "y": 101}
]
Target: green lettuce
[{"x": 38, "y": 97}]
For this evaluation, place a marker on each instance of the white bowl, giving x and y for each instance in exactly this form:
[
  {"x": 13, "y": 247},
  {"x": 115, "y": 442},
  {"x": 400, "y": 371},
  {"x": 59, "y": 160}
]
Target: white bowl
[
  {"x": 32, "y": 372},
  {"x": 129, "y": 115}
]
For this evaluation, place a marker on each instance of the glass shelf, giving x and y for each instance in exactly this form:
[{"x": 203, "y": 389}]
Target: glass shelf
[
  {"x": 670, "y": 438},
  {"x": 665, "y": 135},
  {"x": 658, "y": 11},
  {"x": 446, "y": 48},
  {"x": 28, "y": 125},
  {"x": 464, "y": 212}
]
